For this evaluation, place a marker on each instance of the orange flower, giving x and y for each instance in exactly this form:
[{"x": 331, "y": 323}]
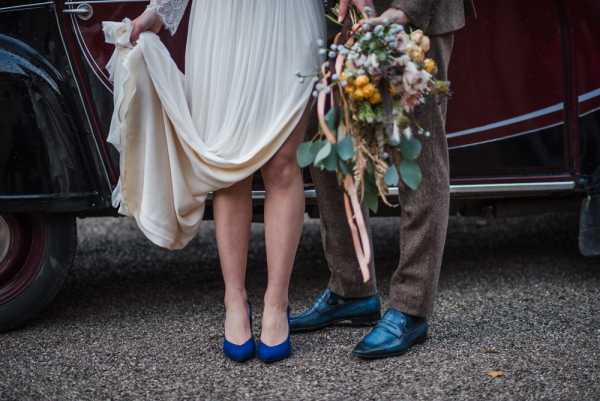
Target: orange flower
[
  {"x": 362, "y": 81},
  {"x": 369, "y": 90},
  {"x": 358, "y": 95},
  {"x": 430, "y": 66},
  {"x": 416, "y": 54},
  {"x": 375, "y": 98}
]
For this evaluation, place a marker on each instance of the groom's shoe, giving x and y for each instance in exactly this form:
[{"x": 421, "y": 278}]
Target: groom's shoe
[
  {"x": 393, "y": 335},
  {"x": 331, "y": 309}
]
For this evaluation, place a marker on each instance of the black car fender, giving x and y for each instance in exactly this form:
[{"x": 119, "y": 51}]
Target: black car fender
[{"x": 43, "y": 153}]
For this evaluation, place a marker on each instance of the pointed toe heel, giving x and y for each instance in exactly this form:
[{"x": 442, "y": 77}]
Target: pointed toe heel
[
  {"x": 239, "y": 353},
  {"x": 243, "y": 352},
  {"x": 270, "y": 354},
  {"x": 275, "y": 353}
]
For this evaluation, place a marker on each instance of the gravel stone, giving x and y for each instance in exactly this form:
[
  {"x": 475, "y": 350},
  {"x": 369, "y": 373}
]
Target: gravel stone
[{"x": 135, "y": 322}]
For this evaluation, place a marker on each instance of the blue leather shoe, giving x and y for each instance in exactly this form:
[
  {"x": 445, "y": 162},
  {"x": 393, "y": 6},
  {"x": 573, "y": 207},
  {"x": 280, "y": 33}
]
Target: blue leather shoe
[
  {"x": 393, "y": 335},
  {"x": 275, "y": 353},
  {"x": 244, "y": 352},
  {"x": 331, "y": 309}
]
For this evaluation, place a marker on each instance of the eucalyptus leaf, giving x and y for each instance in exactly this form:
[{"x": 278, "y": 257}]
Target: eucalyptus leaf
[
  {"x": 371, "y": 199},
  {"x": 323, "y": 153},
  {"x": 341, "y": 132},
  {"x": 345, "y": 148},
  {"x": 305, "y": 155},
  {"x": 317, "y": 145},
  {"x": 331, "y": 162},
  {"x": 391, "y": 176},
  {"x": 411, "y": 148},
  {"x": 331, "y": 118},
  {"x": 344, "y": 167},
  {"x": 370, "y": 170},
  {"x": 411, "y": 174}
]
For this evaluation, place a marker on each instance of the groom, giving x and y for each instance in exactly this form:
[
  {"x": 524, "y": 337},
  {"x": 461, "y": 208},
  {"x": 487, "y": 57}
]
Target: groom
[{"x": 424, "y": 213}]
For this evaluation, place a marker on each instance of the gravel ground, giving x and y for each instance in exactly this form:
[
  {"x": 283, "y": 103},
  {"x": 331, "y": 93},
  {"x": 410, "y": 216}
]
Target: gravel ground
[{"x": 136, "y": 322}]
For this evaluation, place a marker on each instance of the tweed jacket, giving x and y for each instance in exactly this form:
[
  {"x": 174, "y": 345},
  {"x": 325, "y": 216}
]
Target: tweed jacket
[{"x": 435, "y": 17}]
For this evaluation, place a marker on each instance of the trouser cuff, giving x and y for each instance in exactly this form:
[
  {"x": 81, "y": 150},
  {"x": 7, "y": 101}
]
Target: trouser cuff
[
  {"x": 411, "y": 308},
  {"x": 355, "y": 290}
]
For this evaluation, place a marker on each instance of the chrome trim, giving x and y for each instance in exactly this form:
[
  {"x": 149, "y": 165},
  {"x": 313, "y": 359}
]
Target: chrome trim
[
  {"x": 589, "y": 95},
  {"x": 470, "y": 189},
  {"x": 80, "y": 93},
  {"x": 513, "y": 187},
  {"x": 502, "y": 188},
  {"x": 261, "y": 195},
  {"x": 96, "y": 69},
  {"x": 589, "y": 112},
  {"x": 310, "y": 194},
  {"x": 524, "y": 117},
  {"x": 504, "y": 138},
  {"x": 83, "y": 11},
  {"x": 25, "y": 6},
  {"x": 74, "y": 3}
]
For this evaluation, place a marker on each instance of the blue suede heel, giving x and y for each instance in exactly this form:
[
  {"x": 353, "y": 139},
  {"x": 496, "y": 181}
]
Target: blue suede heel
[
  {"x": 244, "y": 352},
  {"x": 277, "y": 352}
]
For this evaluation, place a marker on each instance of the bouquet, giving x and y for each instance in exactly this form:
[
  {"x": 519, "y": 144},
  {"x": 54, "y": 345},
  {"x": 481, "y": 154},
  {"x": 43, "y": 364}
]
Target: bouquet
[{"x": 374, "y": 79}]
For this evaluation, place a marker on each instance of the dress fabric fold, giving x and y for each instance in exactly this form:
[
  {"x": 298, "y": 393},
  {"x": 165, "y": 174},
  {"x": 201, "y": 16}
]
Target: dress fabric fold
[{"x": 183, "y": 136}]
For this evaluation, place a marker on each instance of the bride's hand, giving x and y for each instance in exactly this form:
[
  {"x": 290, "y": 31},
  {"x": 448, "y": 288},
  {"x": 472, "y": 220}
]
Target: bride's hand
[{"x": 149, "y": 20}]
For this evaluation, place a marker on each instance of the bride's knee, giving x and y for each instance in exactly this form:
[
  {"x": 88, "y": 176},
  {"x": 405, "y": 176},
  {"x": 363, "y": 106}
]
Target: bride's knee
[{"x": 281, "y": 171}]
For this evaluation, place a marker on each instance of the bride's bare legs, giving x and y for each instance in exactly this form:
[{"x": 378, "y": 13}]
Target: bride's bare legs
[
  {"x": 284, "y": 217},
  {"x": 233, "y": 216}
]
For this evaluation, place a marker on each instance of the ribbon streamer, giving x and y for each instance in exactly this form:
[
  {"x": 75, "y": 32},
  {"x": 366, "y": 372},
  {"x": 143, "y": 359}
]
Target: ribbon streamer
[{"x": 352, "y": 204}]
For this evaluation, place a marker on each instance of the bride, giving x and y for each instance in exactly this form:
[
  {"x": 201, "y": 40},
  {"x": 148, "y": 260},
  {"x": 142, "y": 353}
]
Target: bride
[{"x": 247, "y": 104}]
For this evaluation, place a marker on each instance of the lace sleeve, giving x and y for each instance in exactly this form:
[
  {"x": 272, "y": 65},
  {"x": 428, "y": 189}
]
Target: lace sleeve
[{"x": 170, "y": 11}]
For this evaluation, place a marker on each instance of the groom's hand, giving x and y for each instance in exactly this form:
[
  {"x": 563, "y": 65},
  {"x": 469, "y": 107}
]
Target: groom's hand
[
  {"x": 360, "y": 4},
  {"x": 394, "y": 15}
]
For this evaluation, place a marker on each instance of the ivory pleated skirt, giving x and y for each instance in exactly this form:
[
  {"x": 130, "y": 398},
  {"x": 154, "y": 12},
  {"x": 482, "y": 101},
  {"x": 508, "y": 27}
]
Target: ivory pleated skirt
[
  {"x": 182, "y": 136},
  {"x": 242, "y": 57}
]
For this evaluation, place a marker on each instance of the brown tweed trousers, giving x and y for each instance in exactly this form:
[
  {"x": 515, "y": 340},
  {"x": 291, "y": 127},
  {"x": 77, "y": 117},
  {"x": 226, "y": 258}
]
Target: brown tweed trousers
[{"x": 423, "y": 213}]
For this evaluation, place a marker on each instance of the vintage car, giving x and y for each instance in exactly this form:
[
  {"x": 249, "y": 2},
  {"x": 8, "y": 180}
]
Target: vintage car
[{"x": 523, "y": 129}]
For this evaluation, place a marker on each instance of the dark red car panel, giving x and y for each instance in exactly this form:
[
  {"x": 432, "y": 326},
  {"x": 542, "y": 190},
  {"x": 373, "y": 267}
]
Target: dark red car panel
[{"x": 509, "y": 116}]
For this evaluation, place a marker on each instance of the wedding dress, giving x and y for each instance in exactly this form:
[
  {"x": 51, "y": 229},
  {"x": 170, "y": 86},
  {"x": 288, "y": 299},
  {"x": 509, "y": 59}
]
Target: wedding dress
[{"x": 182, "y": 137}]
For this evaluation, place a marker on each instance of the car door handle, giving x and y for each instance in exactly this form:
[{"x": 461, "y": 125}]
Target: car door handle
[{"x": 83, "y": 11}]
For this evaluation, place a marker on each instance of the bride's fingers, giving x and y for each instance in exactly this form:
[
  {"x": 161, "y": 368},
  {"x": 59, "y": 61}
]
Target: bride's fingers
[
  {"x": 149, "y": 20},
  {"x": 135, "y": 35},
  {"x": 343, "y": 10},
  {"x": 362, "y": 6}
]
